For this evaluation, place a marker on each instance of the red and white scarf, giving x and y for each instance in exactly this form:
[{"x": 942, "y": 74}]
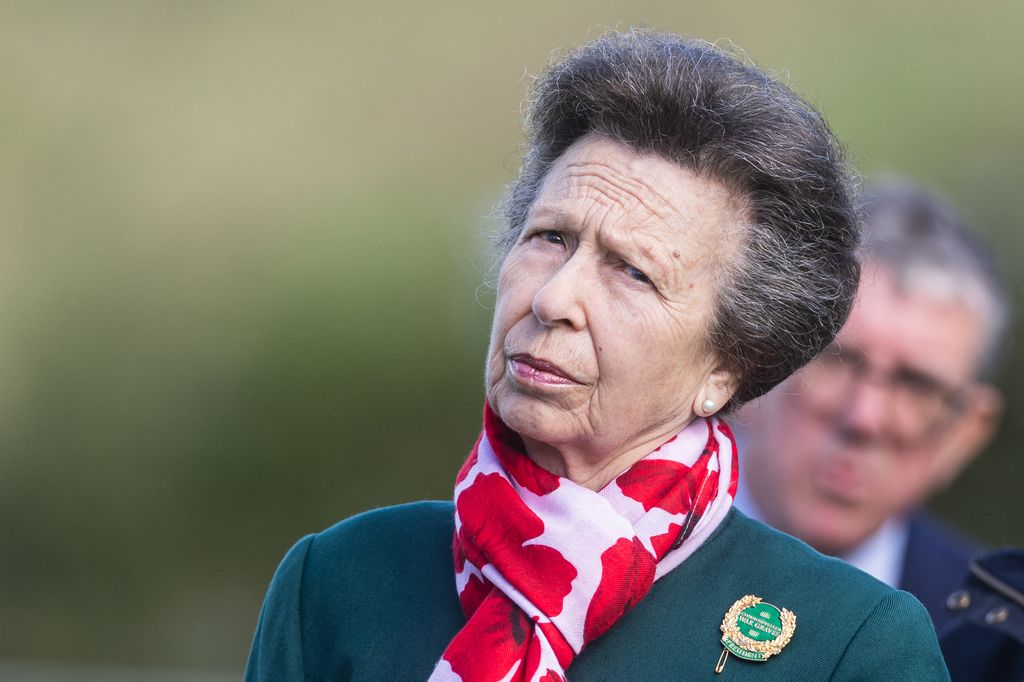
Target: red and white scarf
[{"x": 544, "y": 566}]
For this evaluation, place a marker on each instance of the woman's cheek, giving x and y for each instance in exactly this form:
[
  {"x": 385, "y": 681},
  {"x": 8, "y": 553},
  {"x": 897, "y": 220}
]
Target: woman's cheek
[{"x": 495, "y": 369}]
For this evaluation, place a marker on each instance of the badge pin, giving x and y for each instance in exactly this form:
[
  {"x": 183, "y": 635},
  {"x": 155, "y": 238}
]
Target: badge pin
[{"x": 754, "y": 630}]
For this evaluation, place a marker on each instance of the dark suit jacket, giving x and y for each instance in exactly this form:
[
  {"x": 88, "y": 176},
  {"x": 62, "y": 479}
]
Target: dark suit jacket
[
  {"x": 936, "y": 563},
  {"x": 985, "y": 642}
]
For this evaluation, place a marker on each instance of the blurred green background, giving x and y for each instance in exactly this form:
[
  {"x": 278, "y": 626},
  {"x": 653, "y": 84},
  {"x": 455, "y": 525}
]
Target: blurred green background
[{"x": 242, "y": 254}]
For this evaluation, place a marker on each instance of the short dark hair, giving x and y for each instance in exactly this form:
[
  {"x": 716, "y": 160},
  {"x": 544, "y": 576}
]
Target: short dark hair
[
  {"x": 790, "y": 287},
  {"x": 919, "y": 238}
]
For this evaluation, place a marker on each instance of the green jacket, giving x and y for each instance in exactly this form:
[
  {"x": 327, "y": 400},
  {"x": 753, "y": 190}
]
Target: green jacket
[{"x": 373, "y": 598}]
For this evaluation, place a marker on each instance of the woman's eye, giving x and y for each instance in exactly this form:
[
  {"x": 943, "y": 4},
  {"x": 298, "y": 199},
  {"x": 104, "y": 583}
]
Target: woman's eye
[
  {"x": 637, "y": 275},
  {"x": 551, "y": 236}
]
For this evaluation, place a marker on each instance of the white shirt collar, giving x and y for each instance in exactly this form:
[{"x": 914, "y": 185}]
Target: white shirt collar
[{"x": 881, "y": 555}]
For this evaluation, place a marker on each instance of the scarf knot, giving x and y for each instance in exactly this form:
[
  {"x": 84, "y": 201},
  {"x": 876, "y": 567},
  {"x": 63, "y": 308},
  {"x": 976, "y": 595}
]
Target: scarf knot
[{"x": 544, "y": 566}]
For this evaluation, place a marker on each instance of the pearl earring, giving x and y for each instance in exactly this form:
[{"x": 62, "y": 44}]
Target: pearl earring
[{"x": 708, "y": 406}]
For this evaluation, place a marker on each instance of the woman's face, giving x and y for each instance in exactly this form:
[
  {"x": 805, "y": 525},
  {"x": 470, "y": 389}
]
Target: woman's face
[{"x": 604, "y": 303}]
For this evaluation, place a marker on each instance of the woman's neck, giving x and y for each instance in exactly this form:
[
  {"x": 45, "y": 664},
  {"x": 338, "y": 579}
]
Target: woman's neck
[{"x": 589, "y": 466}]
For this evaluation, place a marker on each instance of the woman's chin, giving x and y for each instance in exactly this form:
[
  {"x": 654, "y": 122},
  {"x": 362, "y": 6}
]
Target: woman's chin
[{"x": 535, "y": 417}]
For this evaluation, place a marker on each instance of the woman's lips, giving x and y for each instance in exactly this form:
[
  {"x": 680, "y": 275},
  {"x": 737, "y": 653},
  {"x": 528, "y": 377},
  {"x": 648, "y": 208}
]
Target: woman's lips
[{"x": 531, "y": 369}]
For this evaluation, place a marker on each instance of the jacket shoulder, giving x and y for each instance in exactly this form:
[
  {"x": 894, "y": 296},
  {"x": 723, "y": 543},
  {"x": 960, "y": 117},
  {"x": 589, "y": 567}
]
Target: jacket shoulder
[
  {"x": 387, "y": 529},
  {"x": 898, "y": 625},
  {"x": 277, "y": 646},
  {"x": 870, "y": 625},
  {"x": 397, "y": 554},
  {"x": 796, "y": 562},
  {"x": 345, "y": 591},
  {"x": 842, "y": 617}
]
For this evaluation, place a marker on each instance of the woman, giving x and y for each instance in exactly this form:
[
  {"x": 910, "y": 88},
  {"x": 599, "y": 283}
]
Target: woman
[{"x": 680, "y": 239}]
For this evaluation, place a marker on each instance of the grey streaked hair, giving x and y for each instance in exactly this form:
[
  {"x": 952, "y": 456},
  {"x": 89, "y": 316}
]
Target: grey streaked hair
[
  {"x": 789, "y": 288},
  {"x": 924, "y": 243}
]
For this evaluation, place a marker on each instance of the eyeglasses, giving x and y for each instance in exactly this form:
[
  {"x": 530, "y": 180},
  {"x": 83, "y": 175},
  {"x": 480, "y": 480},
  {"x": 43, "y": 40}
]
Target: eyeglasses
[{"x": 919, "y": 407}]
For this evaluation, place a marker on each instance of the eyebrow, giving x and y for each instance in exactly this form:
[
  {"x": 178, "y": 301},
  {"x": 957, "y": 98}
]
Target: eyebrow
[
  {"x": 919, "y": 376},
  {"x": 650, "y": 256},
  {"x": 901, "y": 370},
  {"x": 644, "y": 253}
]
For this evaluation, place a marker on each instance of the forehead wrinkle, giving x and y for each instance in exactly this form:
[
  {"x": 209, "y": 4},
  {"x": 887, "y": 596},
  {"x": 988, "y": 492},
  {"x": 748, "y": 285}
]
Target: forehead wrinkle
[
  {"x": 630, "y": 195},
  {"x": 630, "y": 182},
  {"x": 614, "y": 231},
  {"x": 619, "y": 188},
  {"x": 686, "y": 213}
]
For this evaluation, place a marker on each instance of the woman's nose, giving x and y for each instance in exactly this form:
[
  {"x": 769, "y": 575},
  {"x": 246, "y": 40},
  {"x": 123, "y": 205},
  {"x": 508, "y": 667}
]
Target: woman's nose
[{"x": 559, "y": 302}]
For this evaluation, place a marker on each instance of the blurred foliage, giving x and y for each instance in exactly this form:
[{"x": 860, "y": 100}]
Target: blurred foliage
[{"x": 243, "y": 248}]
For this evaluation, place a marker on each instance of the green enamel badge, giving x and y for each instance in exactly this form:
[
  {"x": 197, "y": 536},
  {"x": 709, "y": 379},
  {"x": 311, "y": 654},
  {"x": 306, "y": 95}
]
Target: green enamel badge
[{"x": 755, "y": 630}]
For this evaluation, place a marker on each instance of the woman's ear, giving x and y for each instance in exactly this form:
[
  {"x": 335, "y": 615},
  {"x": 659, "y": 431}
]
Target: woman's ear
[{"x": 716, "y": 391}]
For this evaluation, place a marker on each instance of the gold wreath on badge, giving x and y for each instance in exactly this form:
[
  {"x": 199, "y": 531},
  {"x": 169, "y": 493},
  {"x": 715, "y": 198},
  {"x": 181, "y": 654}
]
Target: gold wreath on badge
[{"x": 755, "y": 630}]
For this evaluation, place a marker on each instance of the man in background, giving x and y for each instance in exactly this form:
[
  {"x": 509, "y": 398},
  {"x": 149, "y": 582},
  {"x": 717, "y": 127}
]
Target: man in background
[{"x": 845, "y": 452}]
